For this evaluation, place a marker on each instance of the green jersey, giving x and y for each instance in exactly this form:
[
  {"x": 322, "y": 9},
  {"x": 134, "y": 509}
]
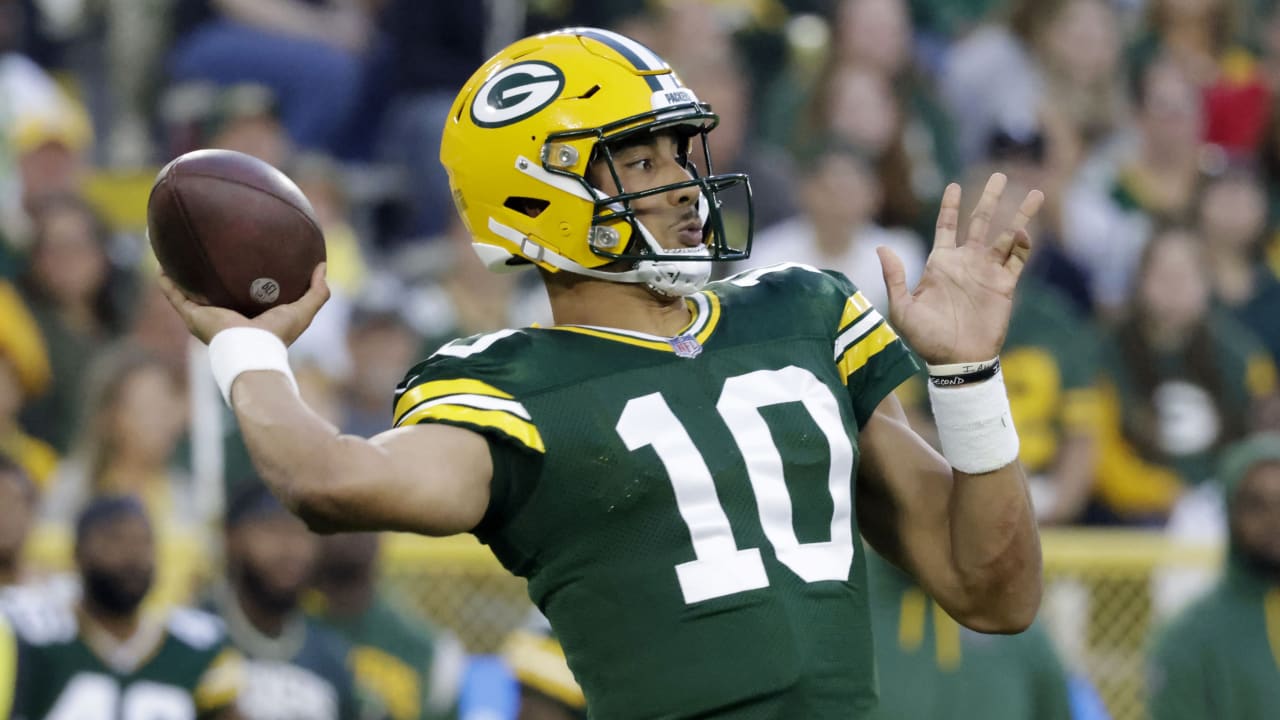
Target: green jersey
[
  {"x": 413, "y": 669},
  {"x": 1050, "y": 366},
  {"x": 931, "y": 667},
  {"x": 683, "y": 507},
  {"x": 179, "y": 669}
]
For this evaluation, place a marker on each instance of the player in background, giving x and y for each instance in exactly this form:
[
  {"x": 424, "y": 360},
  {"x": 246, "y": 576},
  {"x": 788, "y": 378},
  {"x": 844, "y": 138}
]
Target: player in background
[
  {"x": 1220, "y": 658},
  {"x": 295, "y": 670},
  {"x": 413, "y": 669},
  {"x": 931, "y": 667},
  {"x": 102, "y": 659},
  {"x": 17, "y": 510},
  {"x": 673, "y": 466}
]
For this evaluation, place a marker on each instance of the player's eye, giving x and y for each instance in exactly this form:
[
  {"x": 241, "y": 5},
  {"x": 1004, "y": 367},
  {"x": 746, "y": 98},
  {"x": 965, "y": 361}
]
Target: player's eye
[{"x": 641, "y": 164}]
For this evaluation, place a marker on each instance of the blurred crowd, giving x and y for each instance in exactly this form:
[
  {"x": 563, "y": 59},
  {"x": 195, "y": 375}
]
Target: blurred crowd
[{"x": 1145, "y": 335}]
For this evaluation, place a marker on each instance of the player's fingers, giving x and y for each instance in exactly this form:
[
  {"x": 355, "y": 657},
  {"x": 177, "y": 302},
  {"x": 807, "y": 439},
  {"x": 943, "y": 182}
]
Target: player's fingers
[
  {"x": 895, "y": 278},
  {"x": 318, "y": 294},
  {"x": 1005, "y": 243},
  {"x": 1019, "y": 254},
  {"x": 980, "y": 220},
  {"x": 944, "y": 235},
  {"x": 177, "y": 299}
]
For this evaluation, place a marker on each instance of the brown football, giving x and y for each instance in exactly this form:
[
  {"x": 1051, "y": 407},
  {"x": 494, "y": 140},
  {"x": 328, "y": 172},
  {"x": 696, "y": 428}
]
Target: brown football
[{"x": 233, "y": 231}]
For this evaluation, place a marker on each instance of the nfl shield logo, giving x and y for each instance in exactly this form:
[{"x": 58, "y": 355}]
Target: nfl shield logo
[{"x": 686, "y": 346}]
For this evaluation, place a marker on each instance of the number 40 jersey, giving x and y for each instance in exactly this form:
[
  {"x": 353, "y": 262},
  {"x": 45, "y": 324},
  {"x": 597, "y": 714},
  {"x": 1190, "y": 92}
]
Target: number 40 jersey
[{"x": 683, "y": 507}]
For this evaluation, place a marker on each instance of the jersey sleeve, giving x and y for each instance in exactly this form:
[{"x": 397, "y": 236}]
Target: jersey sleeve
[
  {"x": 468, "y": 384},
  {"x": 447, "y": 389},
  {"x": 873, "y": 361}
]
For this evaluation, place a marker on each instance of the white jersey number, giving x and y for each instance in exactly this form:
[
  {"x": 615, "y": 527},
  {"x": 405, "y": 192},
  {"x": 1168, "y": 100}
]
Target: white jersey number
[
  {"x": 720, "y": 567},
  {"x": 91, "y": 696}
]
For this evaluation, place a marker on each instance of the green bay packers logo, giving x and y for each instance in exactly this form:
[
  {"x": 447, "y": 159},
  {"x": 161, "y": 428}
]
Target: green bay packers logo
[{"x": 516, "y": 93}]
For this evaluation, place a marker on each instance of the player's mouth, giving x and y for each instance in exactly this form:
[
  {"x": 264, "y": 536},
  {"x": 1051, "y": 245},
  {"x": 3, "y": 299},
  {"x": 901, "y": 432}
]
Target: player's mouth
[{"x": 689, "y": 232}]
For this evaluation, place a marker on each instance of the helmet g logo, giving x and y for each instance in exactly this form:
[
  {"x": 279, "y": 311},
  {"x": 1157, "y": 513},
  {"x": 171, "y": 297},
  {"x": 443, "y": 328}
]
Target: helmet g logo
[{"x": 516, "y": 93}]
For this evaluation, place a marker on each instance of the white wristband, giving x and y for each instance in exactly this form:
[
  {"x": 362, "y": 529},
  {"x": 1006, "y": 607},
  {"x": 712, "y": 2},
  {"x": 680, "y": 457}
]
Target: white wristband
[
  {"x": 975, "y": 425},
  {"x": 245, "y": 349}
]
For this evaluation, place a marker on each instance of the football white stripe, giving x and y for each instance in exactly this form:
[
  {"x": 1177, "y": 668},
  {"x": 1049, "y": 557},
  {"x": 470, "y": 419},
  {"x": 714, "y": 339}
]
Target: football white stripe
[{"x": 860, "y": 328}]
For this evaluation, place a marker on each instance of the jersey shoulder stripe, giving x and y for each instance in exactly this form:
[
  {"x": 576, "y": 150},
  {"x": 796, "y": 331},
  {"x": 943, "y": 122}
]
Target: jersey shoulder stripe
[{"x": 471, "y": 383}]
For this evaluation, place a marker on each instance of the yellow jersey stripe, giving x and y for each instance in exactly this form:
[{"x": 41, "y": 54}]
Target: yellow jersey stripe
[
  {"x": 911, "y": 615},
  {"x": 439, "y": 388},
  {"x": 854, "y": 307},
  {"x": 860, "y": 352},
  {"x": 1271, "y": 608},
  {"x": 946, "y": 640},
  {"x": 712, "y": 321},
  {"x": 8, "y": 667},
  {"x": 522, "y": 431},
  {"x": 221, "y": 683}
]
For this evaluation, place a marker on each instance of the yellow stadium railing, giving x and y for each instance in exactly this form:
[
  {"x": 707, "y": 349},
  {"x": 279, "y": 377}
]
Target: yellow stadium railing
[{"x": 1105, "y": 591}]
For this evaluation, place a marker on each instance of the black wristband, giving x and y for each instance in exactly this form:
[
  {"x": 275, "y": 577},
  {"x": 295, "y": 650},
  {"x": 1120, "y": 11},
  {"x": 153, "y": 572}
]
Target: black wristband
[{"x": 985, "y": 373}]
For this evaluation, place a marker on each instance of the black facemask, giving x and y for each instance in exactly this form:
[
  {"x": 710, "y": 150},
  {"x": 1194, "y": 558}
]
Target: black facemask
[{"x": 119, "y": 594}]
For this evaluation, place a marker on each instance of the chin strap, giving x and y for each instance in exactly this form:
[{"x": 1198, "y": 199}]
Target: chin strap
[{"x": 671, "y": 278}]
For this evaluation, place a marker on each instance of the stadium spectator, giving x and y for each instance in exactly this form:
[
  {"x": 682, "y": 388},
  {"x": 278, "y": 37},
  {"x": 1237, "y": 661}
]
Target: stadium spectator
[
  {"x": 546, "y": 686},
  {"x": 381, "y": 340},
  {"x": 309, "y": 52},
  {"x": 134, "y": 416},
  {"x": 18, "y": 498},
  {"x": 1219, "y": 658},
  {"x": 1206, "y": 38},
  {"x": 24, "y": 374},
  {"x": 103, "y": 652},
  {"x": 837, "y": 230},
  {"x": 1269, "y": 164},
  {"x": 1062, "y": 54},
  {"x": 931, "y": 667},
  {"x": 42, "y": 131},
  {"x": 1232, "y": 220},
  {"x": 270, "y": 556},
  {"x": 434, "y": 44},
  {"x": 1181, "y": 381},
  {"x": 1152, "y": 179},
  {"x": 244, "y": 117},
  {"x": 81, "y": 302},
  {"x": 868, "y": 77},
  {"x": 411, "y": 667}
]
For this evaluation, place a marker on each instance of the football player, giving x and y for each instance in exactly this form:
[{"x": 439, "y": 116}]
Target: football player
[
  {"x": 295, "y": 670},
  {"x": 673, "y": 466},
  {"x": 412, "y": 668},
  {"x": 101, "y": 659}
]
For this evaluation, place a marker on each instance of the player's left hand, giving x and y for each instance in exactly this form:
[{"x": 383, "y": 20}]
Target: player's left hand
[{"x": 959, "y": 312}]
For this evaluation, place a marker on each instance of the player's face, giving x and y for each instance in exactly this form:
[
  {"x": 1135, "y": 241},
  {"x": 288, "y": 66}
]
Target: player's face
[
  {"x": 16, "y": 508},
  {"x": 117, "y": 564},
  {"x": 1256, "y": 518},
  {"x": 672, "y": 216},
  {"x": 272, "y": 558}
]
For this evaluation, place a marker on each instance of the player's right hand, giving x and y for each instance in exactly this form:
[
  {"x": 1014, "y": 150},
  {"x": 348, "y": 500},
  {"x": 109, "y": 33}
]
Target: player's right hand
[{"x": 284, "y": 321}]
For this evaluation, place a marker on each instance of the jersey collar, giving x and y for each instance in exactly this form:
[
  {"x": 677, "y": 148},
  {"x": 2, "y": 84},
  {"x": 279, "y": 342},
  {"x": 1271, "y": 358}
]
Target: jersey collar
[{"x": 704, "y": 306}]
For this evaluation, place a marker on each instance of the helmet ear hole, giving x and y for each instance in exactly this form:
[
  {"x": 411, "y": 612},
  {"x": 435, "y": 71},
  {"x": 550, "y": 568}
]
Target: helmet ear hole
[{"x": 533, "y": 207}]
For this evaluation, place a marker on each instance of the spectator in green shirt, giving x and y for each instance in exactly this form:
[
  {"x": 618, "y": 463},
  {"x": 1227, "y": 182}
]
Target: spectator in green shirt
[{"x": 1221, "y": 657}]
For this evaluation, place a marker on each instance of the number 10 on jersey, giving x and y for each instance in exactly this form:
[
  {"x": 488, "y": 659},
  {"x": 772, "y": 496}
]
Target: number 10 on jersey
[{"x": 720, "y": 567}]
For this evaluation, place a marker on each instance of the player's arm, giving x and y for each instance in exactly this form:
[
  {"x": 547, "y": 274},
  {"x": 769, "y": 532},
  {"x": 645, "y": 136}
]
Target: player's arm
[
  {"x": 961, "y": 524},
  {"x": 430, "y": 479},
  {"x": 969, "y": 540}
]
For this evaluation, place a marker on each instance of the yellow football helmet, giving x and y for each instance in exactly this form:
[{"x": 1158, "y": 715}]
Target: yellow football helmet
[{"x": 526, "y": 126}]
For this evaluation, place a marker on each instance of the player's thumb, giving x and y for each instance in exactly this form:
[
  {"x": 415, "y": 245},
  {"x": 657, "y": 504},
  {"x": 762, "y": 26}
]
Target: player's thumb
[{"x": 895, "y": 275}]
